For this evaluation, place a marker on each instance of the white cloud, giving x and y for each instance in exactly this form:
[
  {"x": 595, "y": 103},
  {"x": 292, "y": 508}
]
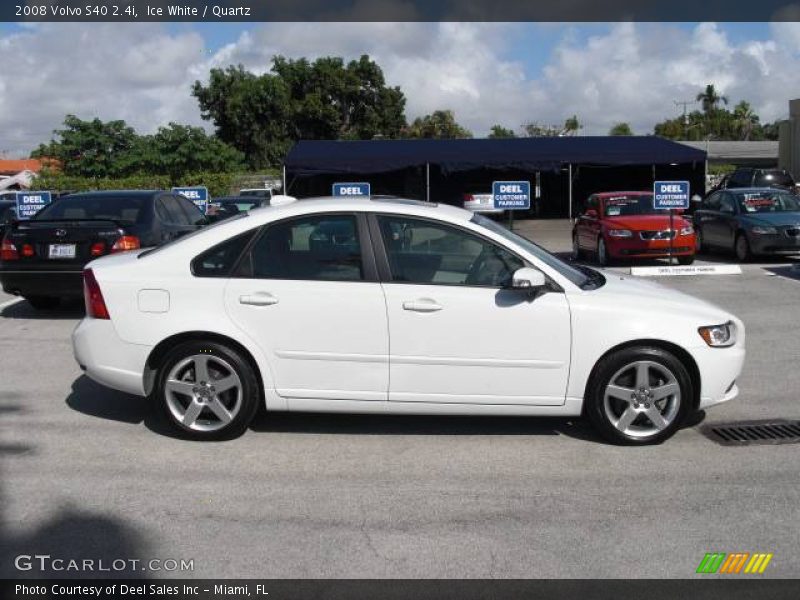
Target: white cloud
[{"x": 627, "y": 72}]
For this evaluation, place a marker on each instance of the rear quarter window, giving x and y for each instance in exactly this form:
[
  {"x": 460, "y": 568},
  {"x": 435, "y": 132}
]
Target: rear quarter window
[{"x": 220, "y": 260}]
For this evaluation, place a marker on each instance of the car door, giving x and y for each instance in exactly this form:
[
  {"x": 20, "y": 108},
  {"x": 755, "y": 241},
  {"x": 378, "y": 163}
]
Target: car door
[
  {"x": 589, "y": 225},
  {"x": 726, "y": 230},
  {"x": 709, "y": 220},
  {"x": 307, "y": 293},
  {"x": 457, "y": 334}
]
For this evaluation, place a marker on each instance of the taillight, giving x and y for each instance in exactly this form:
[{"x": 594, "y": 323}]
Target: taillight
[
  {"x": 93, "y": 297},
  {"x": 125, "y": 243},
  {"x": 98, "y": 249},
  {"x": 8, "y": 251},
  {"x": 27, "y": 250}
]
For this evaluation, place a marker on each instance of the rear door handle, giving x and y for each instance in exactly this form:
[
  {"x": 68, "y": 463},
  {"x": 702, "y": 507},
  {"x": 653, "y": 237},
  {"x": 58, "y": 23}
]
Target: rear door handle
[
  {"x": 423, "y": 305},
  {"x": 258, "y": 299}
]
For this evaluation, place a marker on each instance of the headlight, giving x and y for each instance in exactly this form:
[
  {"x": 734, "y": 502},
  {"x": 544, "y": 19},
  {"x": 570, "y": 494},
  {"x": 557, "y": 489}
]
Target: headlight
[
  {"x": 719, "y": 336},
  {"x": 620, "y": 233},
  {"x": 763, "y": 230},
  {"x": 688, "y": 230}
]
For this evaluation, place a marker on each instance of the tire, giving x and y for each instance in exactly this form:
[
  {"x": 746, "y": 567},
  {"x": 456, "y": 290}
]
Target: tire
[
  {"x": 741, "y": 248},
  {"x": 699, "y": 245},
  {"x": 43, "y": 302},
  {"x": 624, "y": 414},
  {"x": 686, "y": 260},
  {"x": 577, "y": 253},
  {"x": 602, "y": 253},
  {"x": 193, "y": 403}
]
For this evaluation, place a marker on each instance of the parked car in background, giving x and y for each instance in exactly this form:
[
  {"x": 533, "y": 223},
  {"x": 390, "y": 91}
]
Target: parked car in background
[
  {"x": 481, "y": 203},
  {"x": 748, "y": 177},
  {"x": 396, "y": 306},
  {"x": 616, "y": 225},
  {"x": 230, "y": 206},
  {"x": 259, "y": 192},
  {"x": 42, "y": 258},
  {"x": 749, "y": 222},
  {"x": 8, "y": 212}
]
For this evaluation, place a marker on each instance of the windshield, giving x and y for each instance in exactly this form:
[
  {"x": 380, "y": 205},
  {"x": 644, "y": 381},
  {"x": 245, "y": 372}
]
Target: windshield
[
  {"x": 624, "y": 205},
  {"x": 583, "y": 277},
  {"x": 124, "y": 209},
  {"x": 767, "y": 202},
  {"x": 190, "y": 235}
]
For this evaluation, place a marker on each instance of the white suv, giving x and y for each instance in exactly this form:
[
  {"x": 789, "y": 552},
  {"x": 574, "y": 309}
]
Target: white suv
[{"x": 396, "y": 306}]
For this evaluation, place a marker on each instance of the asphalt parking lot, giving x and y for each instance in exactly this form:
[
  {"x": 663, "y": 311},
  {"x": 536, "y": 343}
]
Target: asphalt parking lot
[{"x": 90, "y": 473}]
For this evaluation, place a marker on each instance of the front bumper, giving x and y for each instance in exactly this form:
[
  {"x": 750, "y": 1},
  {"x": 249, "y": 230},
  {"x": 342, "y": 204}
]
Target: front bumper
[
  {"x": 774, "y": 243},
  {"x": 56, "y": 284},
  {"x": 107, "y": 359},
  {"x": 634, "y": 247}
]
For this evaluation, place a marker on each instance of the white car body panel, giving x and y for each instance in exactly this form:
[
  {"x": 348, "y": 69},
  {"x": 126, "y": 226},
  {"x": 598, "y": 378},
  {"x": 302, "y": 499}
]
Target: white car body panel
[{"x": 354, "y": 349}]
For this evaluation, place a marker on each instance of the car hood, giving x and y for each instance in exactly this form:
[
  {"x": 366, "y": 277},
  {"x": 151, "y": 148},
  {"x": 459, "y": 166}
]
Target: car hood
[
  {"x": 644, "y": 222},
  {"x": 628, "y": 292},
  {"x": 776, "y": 218}
]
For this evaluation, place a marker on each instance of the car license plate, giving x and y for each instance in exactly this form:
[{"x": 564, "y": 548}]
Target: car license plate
[{"x": 61, "y": 251}]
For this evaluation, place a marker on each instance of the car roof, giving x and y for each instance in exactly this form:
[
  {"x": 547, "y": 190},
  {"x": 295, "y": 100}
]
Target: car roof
[
  {"x": 235, "y": 198},
  {"x": 115, "y": 193},
  {"x": 629, "y": 193},
  {"x": 381, "y": 204}
]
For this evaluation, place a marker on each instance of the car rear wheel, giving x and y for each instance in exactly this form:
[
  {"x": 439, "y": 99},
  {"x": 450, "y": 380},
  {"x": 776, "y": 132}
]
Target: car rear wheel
[
  {"x": 699, "y": 244},
  {"x": 43, "y": 302},
  {"x": 207, "y": 391},
  {"x": 742, "y": 248},
  {"x": 602, "y": 253},
  {"x": 639, "y": 396},
  {"x": 577, "y": 253}
]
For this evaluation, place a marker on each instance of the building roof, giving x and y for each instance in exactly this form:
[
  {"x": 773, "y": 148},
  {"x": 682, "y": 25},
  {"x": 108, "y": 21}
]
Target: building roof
[
  {"x": 314, "y": 157},
  {"x": 14, "y": 166},
  {"x": 738, "y": 152}
]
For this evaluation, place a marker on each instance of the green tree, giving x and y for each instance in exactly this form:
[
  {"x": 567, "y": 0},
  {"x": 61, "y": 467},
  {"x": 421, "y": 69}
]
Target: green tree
[
  {"x": 89, "y": 148},
  {"x": 710, "y": 99},
  {"x": 744, "y": 119},
  {"x": 178, "y": 150},
  {"x": 440, "y": 124},
  {"x": 620, "y": 129},
  {"x": 498, "y": 131},
  {"x": 324, "y": 99}
]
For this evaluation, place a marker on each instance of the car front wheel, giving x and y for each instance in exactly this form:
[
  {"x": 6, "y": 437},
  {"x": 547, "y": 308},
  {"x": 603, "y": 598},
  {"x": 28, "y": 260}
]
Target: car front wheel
[
  {"x": 207, "y": 391},
  {"x": 742, "y": 248},
  {"x": 639, "y": 396}
]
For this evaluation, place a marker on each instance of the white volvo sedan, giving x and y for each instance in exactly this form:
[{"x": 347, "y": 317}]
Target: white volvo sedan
[{"x": 396, "y": 306}]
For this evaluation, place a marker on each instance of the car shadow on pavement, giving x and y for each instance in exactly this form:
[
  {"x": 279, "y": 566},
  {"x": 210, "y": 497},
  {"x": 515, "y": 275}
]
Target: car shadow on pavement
[
  {"x": 94, "y": 400},
  {"x": 787, "y": 271},
  {"x": 23, "y": 310}
]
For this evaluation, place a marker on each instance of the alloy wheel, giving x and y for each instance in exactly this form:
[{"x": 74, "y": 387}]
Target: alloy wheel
[
  {"x": 642, "y": 399},
  {"x": 203, "y": 392}
]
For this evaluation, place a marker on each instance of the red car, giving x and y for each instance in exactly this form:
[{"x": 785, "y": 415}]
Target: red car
[{"x": 616, "y": 225}]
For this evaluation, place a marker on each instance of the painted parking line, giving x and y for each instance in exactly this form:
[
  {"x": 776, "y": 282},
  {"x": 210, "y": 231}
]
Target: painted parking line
[{"x": 686, "y": 270}]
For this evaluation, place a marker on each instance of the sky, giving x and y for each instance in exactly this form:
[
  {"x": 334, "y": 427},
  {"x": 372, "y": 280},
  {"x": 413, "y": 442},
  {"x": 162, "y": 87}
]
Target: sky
[{"x": 487, "y": 73}]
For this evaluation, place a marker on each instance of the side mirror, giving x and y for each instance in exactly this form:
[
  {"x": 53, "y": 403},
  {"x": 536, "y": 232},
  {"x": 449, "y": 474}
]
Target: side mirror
[
  {"x": 591, "y": 213},
  {"x": 527, "y": 278}
]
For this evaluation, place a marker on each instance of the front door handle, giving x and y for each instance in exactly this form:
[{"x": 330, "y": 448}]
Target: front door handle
[
  {"x": 423, "y": 305},
  {"x": 258, "y": 299}
]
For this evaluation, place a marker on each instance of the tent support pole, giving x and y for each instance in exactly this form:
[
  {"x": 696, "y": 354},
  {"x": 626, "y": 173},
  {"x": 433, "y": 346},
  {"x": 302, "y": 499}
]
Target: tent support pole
[
  {"x": 570, "y": 191},
  {"x": 427, "y": 182}
]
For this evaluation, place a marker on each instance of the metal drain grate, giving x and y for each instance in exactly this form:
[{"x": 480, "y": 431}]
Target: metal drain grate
[{"x": 751, "y": 433}]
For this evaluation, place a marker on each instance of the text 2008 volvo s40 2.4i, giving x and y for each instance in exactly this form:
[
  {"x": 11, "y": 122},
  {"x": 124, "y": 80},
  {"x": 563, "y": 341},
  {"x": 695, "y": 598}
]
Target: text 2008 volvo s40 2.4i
[{"x": 396, "y": 306}]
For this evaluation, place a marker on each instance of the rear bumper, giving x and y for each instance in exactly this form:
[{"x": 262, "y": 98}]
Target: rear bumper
[
  {"x": 56, "y": 284},
  {"x": 107, "y": 359}
]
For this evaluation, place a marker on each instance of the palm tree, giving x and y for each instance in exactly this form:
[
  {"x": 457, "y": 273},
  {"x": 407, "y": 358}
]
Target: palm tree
[
  {"x": 745, "y": 119},
  {"x": 710, "y": 99}
]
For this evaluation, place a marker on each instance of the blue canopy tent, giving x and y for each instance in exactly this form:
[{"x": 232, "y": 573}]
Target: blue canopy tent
[{"x": 350, "y": 159}]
